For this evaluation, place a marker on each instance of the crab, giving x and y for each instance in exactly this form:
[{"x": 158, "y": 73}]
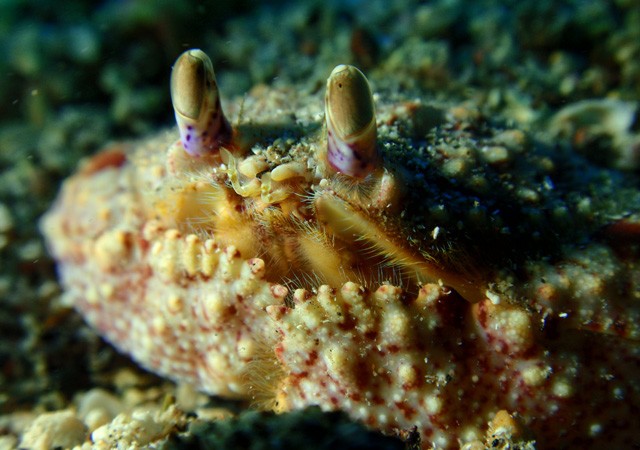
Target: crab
[{"x": 347, "y": 266}]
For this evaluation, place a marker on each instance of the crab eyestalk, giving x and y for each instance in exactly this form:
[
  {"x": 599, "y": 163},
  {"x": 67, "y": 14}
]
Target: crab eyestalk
[
  {"x": 351, "y": 123},
  {"x": 194, "y": 94}
]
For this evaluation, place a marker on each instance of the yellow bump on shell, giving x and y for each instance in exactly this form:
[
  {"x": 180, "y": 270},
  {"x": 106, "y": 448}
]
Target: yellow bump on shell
[
  {"x": 249, "y": 279},
  {"x": 159, "y": 325},
  {"x": 535, "y": 375},
  {"x": 312, "y": 314},
  {"x": 339, "y": 362},
  {"x": 351, "y": 122},
  {"x": 562, "y": 388},
  {"x": 433, "y": 404},
  {"x": 511, "y": 323},
  {"x": 246, "y": 348},
  {"x": 257, "y": 267},
  {"x": 92, "y": 296},
  {"x": 209, "y": 258},
  {"x": 395, "y": 324},
  {"x": 151, "y": 230},
  {"x": 226, "y": 272},
  {"x": 112, "y": 249},
  {"x": 175, "y": 255},
  {"x": 352, "y": 293},
  {"x": 407, "y": 374},
  {"x": 212, "y": 307},
  {"x": 331, "y": 305},
  {"x": 106, "y": 290},
  {"x": 387, "y": 294},
  {"x": 167, "y": 256},
  {"x": 279, "y": 291},
  {"x": 301, "y": 296},
  {"x": 175, "y": 304},
  {"x": 191, "y": 254}
]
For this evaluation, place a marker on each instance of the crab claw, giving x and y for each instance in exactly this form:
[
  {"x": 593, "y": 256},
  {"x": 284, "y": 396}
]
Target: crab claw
[
  {"x": 194, "y": 94},
  {"x": 351, "y": 122}
]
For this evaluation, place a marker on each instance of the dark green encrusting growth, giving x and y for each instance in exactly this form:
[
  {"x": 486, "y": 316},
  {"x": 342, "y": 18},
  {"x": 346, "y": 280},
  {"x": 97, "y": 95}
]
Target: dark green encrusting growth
[
  {"x": 309, "y": 428},
  {"x": 499, "y": 196}
]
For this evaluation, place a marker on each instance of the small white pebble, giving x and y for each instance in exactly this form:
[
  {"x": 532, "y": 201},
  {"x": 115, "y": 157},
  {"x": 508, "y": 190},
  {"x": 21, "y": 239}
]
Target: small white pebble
[
  {"x": 8, "y": 442},
  {"x": 495, "y": 154},
  {"x": 562, "y": 388},
  {"x": 60, "y": 429},
  {"x": 99, "y": 399}
]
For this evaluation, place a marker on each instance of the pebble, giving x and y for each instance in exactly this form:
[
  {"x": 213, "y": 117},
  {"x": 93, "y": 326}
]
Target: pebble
[
  {"x": 98, "y": 407},
  {"x": 137, "y": 429},
  {"x": 60, "y": 429},
  {"x": 8, "y": 442},
  {"x": 495, "y": 154}
]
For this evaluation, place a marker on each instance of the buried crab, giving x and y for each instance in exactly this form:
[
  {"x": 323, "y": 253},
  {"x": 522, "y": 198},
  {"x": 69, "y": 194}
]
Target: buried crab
[{"x": 396, "y": 271}]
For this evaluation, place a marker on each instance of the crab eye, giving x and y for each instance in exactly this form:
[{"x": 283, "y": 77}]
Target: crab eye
[
  {"x": 351, "y": 122},
  {"x": 196, "y": 103}
]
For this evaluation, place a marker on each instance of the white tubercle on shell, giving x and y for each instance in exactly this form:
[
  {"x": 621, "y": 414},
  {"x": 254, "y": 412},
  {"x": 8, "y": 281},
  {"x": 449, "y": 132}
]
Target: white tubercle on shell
[
  {"x": 351, "y": 122},
  {"x": 194, "y": 94}
]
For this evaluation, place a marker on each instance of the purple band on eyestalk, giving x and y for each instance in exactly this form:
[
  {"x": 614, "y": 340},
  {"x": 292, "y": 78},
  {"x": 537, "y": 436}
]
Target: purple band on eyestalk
[{"x": 194, "y": 94}]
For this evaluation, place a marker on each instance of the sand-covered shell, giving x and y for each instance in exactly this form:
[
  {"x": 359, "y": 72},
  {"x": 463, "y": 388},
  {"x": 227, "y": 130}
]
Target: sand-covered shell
[
  {"x": 196, "y": 102},
  {"x": 351, "y": 122}
]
